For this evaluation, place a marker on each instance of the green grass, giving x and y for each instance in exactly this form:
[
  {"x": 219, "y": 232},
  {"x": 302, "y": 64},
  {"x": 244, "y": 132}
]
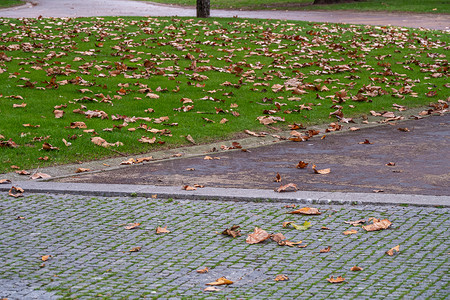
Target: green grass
[
  {"x": 9, "y": 3},
  {"x": 417, "y": 6},
  {"x": 251, "y": 55}
]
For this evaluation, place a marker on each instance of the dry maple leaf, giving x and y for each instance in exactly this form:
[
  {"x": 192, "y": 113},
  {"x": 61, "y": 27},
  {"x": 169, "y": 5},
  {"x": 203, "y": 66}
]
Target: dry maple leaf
[
  {"x": 306, "y": 211},
  {"x": 135, "y": 249},
  {"x": 325, "y": 250},
  {"x": 339, "y": 279},
  {"x": 81, "y": 170},
  {"x": 5, "y": 181},
  {"x": 46, "y": 257},
  {"x": 129, "y": 161},
  {"x": 290, "y": 187},
  {"x": 301, "y": 165},
  {"x": 393, "y": 251},
  {"x": 204, "y": 270},
  {"x": 356, "y": 269},
  {"x": 277, "y": 237},
  {"x": 258, "y": 236},
  {"x": 162, "y": 230},
  {"x": 233, "y": 231},
  {"x": 377, "y": 225},
  {"x": 40, "y": 175},
  {"x": 351, "y": 231},
  {"x": 220, "y": 281},
  {"x": 130, "y": 226},
  {"x": 277, "y": 178},
  {"x": 147, "y": 140},
  {"x": 322, "y": 171},
  {"x": 16, "y": 192},
  {"x": 281, "y": 277}
]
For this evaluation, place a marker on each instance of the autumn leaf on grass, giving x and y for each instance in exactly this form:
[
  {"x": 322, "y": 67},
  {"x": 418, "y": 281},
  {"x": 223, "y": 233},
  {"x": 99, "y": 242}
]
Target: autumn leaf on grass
[
  {"x": 16, "y": 192},
  {"x": 305, "y": 225},
  {"x": 203, "y": 271},
  {"x": 351, "y": 231},
  {"x": 81, "y": 170},
  {"x": 325, "y": 250},
  {"x": 58, "y": 113},
  {"x": 221, "y": 281},
  {"x": 301, "y": 165},
  {"x": 135, "y": 249},
  {"x": 306, "y": 211},
  {"x": 162, "y": 230},
  {"x": 130, "y": 226},
  {"x": 258, "y": 236},
  {"x": 190, "y": 139},
  {"x": 19, "y": 105},
  {"x": 5, "y": 181},
  {"x": 322, "y": 171},
  {"x": 356, "y": 269},
  {"x": 45, "y": 257},
  {"x": 40, "y": 175},
  {"x": 277, "y": 178},
  {"x": 129, "y": 161},
  {"x": 290, "y": 187},
  {"x": 339, "y": 279},
  {"x": 23, "y": 172},
  {"x": 147, "y": 140},
  {"x": 281, "y": 277},
  {"x": 234, "y": 231},
  {"x": 393, "y": 251},
  {"x": 355, "y": 223},
  {"x": 48, "y": 147},
  {"x": 77, "y": 125},
  {"x": 377, "y": 225},
  {"x": 103, "y": 143}
]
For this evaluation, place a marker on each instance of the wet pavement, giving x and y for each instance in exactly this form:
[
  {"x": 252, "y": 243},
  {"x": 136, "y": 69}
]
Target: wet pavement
[
  {"x": 421, "y": 158},
  {"x": 90, "y": 8}
]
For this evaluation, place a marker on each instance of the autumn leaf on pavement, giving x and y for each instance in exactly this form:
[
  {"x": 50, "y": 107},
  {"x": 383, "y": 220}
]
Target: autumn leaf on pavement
[
  {"x": 221, "y": 281},
  {"x": 81, "y": 170},
  {"x": 305, "y": 225},
  {"x": 404, "y": 129},
  {"x": 234, "y": 231},
  {"x": 355, "y": 223},
  {"x": 306, "y": 211},
  {"x": 290, "y": 187},
  {"x": 325, "y": 250},
  {"x": 188, "y": 188},
  {"x": 23, "y": 172},
  {"x": 277, "y": 237},
  {"x": 16, "y": 192},
  {"x": 377, "y": 225},
  {"x": 162, "y": 230},
  {"x": 393, "y": 251},
  {"x": 204, "y": 270},
  {"x": 211, "y": 289},
  {"x": 301, "y": 165},
  {"x": 258, "y": 236},
  {"x": 40, "y": 175},
  {"x": 45, "y": 257},
  {"x": 129, "y": 161},
  {"x": 356, "y": 269},
  {"x": 322, "y": 171},
  {"x": 277, "y": 178},
  {"x": 5, "y": 181},
  {"x": 339, "y": 279},
  {"x": 135, "y": 249},
  {"x": 281, "y": 277},
  {"x": 366, "y": 141},
  {"x": 351, "y": 231},
  {"x": 130, "y": 226}
]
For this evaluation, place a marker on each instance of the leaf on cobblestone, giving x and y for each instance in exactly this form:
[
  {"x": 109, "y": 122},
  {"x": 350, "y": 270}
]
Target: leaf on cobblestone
[
  {"x": 339, "y": 279},
  {"x": 277, "y": 178},
  {"x": 23, "y": 172},
  {"x": 302, "y": 246},
  {"x": 356, "y": 269},
  {"x": 258, "y": 236},
  {"x": 325, "y": 250},
  {"x": 277, "y": 237},
  {"x": 234, "y": 231},
  {"x": 204, "y": 270},
  {"x": 40, "y": 175},
  {"x": 130, "y": 226},
  {"x": 16, "y": 192},
  {"x": 301, "y": 165},
  {"x": 281, "y": 277},
  {"x": 351, "y": 231},
  {"x": 135, "y": 249},
  {"x": 290, "y": 187},
  {"x": 289, "y": 243},
  {"x": 221, "y": 281},
  {"x": 211, "y": 289},
  {"x": 355, "y": 223},
  {"x": 322, "y": 171},
  {"x": 305, "y": 225},
  {"x": 393, "y": 251},
  {"x": 5, "y": 181},
  {"x": 306, "y": 211},
  {"x": 46, "y": 257},
  {"x": 377, "y": 225},
  {"x": 162, "y": 230}
]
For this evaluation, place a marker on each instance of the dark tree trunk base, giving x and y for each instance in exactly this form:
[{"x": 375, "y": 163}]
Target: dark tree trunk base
[{"x": 203, "y": 8}]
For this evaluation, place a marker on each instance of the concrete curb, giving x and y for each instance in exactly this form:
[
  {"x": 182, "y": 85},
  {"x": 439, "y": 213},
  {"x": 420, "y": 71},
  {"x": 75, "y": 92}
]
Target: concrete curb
[{"x": 227, "y": 194}]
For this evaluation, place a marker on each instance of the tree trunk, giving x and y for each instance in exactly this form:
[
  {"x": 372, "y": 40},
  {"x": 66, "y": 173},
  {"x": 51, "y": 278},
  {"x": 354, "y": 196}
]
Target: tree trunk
[{"x": 203, "y": 8}]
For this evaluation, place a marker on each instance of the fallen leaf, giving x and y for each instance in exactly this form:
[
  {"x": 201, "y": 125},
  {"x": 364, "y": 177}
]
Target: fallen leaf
[
  {"x": 81, "y": 170},
  {"x": 46, "y": 257},
  {"x": 356, "y": 269},
  {"x": 324, "y": 228},
  {"x": 325, "y": 250},
  {"x": 188, "y": 188},
  {"x": 162, "y": 230},
  {"x": 306, "y": 211},
  {"x": 103, "y": 143},
  {"x": 377, "y": 225},
  {"x": 302, "y": 246},
  {"x": 5, "y": 181},
  {"x": 40, "y": 175},
  {"x": 322, "y": 171},
  {"x": 339, "y": 279},
  {"x": 290, "y": 187},
  {"x": 23, "y": 172},
  {"x": 58, "y": 113},
  {"x": 202, "y": 271},
  {"x": 258, "y": 236},
  {"x": 16, "y": 192},
  {"x": 305, "y": 225},
  {"x": 135, "y": 249},
  {"x": 390, "y": 164},
  {"x": 232, "y": 231},
  {"x": 130, "y": 226},
  {"x": 210, "y": 158},
  {"x": 393, "y": 251},
  {"x": 147, "y": 140},
  {"x": 355, "y": 223},
  {"x": 77, "y": 125},
  {"x": 48, "y": 147},
  {"x": 19, "y": 105},
  {"x": 277, "y": 178},
  {"x": 351, "y": 231},
  {"x": 66, "y": 143},
  {"x": 281, "y": 277},
  {"x": 220, "y": 281},
  {"x": 277, "y": 237},
  {"x": 129, "y": 161},
  {"x": 366, "y": 141},
  {"x": 301, "y": 165},
  {"x": 190, "y": 139},
  {"x": 404, "y": 129},
  {"x": 211, "y": 289}
]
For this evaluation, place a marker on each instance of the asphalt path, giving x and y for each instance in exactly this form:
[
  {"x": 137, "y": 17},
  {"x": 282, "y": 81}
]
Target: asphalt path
[{"x": 91, "y": 8}]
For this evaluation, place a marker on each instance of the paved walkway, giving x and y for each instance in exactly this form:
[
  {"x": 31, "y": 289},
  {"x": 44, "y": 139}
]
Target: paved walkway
[{"x": 89, "y": 8}]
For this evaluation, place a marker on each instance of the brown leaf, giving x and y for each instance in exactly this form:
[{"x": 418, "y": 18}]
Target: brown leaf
[
  {"x": 277, "y": 178},
  {"x": 135, "y": 249},
  {"x": 281, "y": 277},
  {"x": 324, "y": 228},
  {"x": 301, "y": 165},
  {"x": 5, "y": 181},
  {"x": 58, "y": 113},
  {"x": 210, "y": 158},
  {"x": 351, "y": 231},
  {"x": 339, "y": 279},
  {"x": 48, "y": 147},
  {"x": 23, "y": 172},
  {"x": 356, "y": 269},
  {"x": 130, "y": 226},
  {"x": 404, "y": 129},
  {"x": 277, "y": 237},
  {"x": 306, "y": 211},
  {"x": 78, "y": 125},
  {"x": 19, "y": 105},
  {"x": 190, "y": 139},
  {"x": 355, "y": 223},
  {"x": 203, "y": 271},
  {"x": 103, "y": 143},
  {"x": 232, "y": 231},
  {"x": 322, "y": 171},
  {"x": 129, "y": 161},
  {"x": 377, "y": 225},
  {"x": 366, "y": 141},
  {"x": 220, "y": 281},
  {"x": 325, "y": 250},
  {"x": 40, "y": 175},
  {"x": 390, "y": 164},
  {"x": 147, "y": 140},
  {"x": 290, "y": 187},
  {"x": 162, "y": 230},
  {"x": 393, "y": 251},
  {"x": 46, "y": 257},
  {"x": 211, "y": 289},
  {"x": 258, "y": 236},
  {"x": 254, "y": 133},
  {"x": 16, "y": 192},
  {"x": 188, "y": 188},
  {"x": 81, "y": 170}
]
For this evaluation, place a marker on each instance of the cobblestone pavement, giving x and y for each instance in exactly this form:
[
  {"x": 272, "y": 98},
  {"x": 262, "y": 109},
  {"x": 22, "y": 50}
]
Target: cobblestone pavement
[{"x": 90, "y": 254}]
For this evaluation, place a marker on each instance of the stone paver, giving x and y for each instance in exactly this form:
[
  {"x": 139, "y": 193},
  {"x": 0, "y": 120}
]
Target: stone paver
[{"x": 90, "y": 253}]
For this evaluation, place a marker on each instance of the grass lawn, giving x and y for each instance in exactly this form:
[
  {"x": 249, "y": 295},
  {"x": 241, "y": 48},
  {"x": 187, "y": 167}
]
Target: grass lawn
[
  {"x": 9, "y": 3},
  {"x": 417, "y": 6},
  {"x": 147, "y": 83}
]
